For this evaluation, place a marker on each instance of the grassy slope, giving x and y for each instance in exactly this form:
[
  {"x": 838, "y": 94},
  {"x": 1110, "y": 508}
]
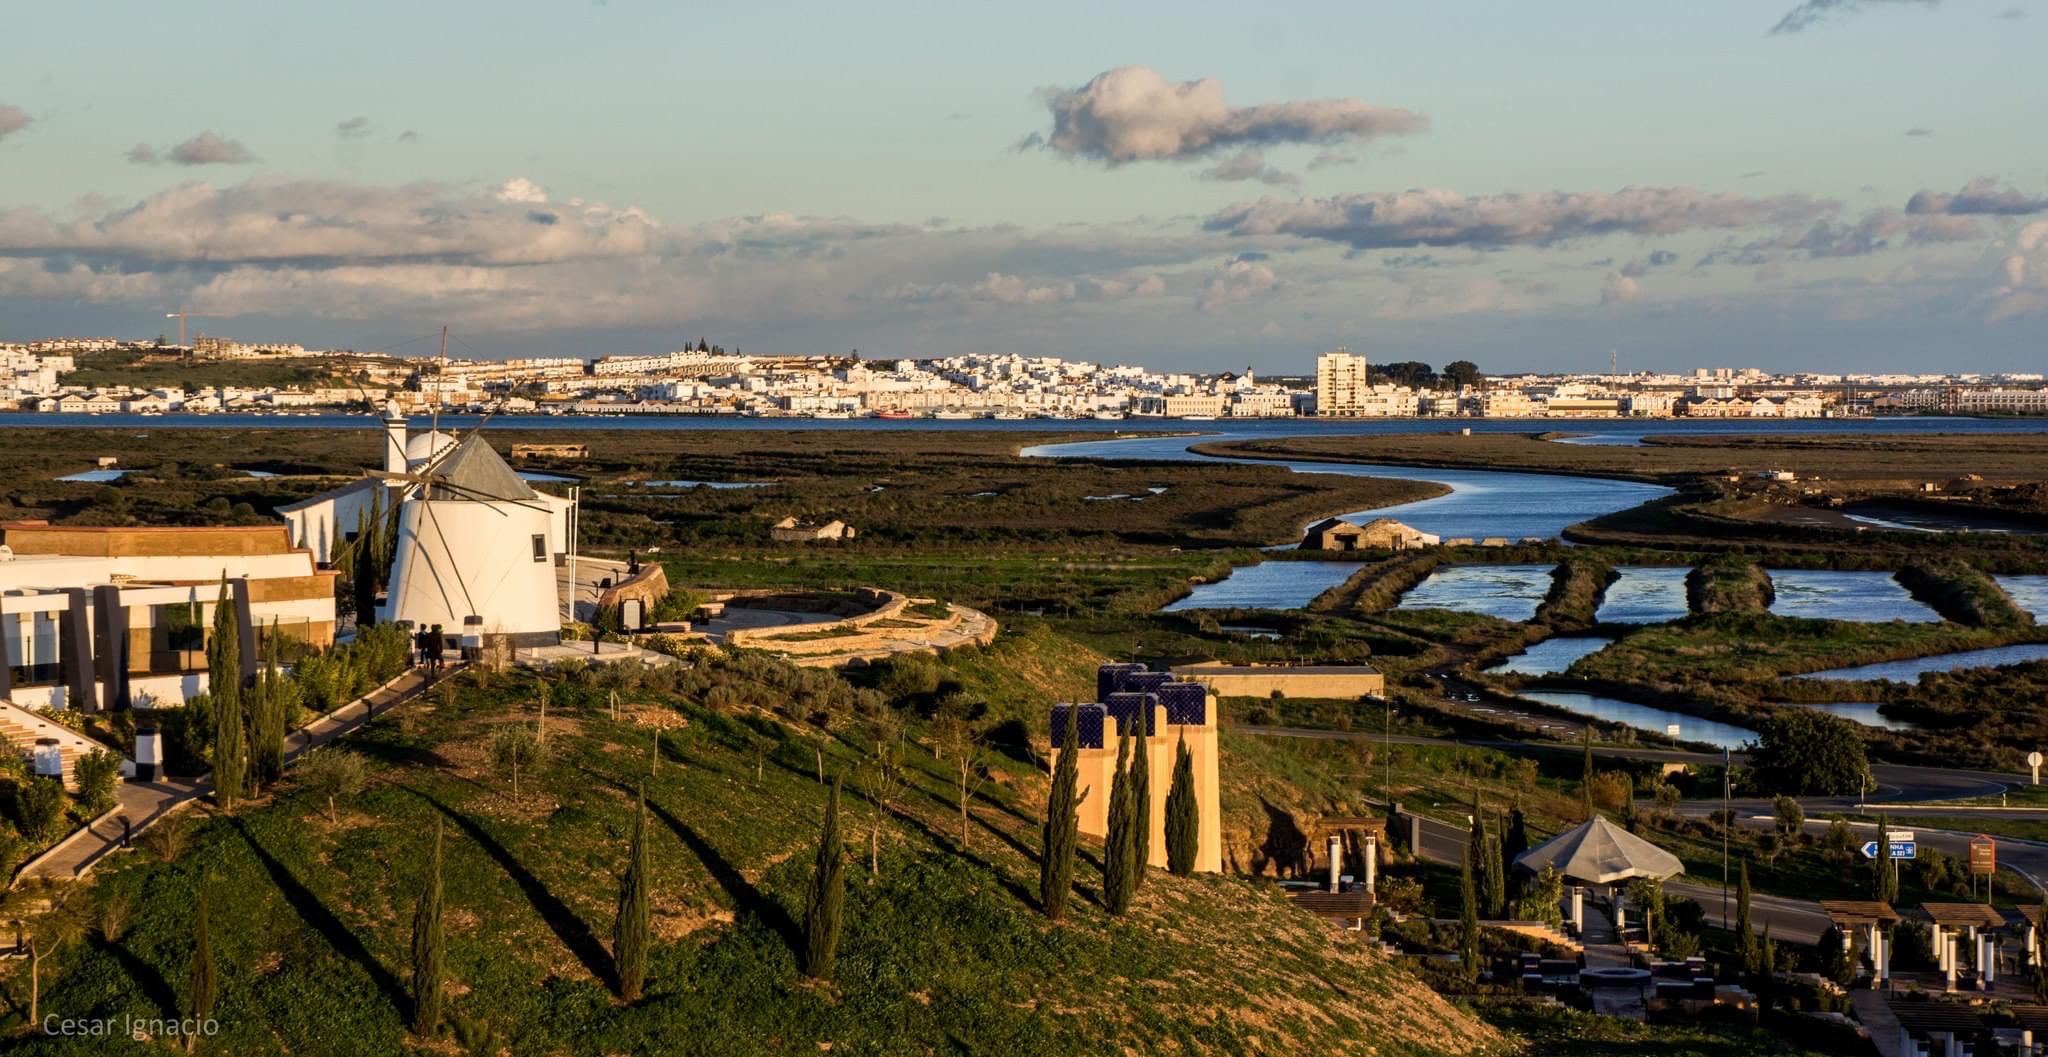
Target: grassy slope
[{"x": 943, "y": 951}]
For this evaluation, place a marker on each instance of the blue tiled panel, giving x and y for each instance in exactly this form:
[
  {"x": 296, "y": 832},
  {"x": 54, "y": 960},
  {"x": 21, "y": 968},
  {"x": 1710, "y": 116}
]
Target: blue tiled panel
[
  {"x": 1146, "y": 682},
  {"x": 1187, "y": 704},
  {"x": 1109, "y": 678},
  {"x": 1088, "y": 725},
  {"x": 1127, "y": 707}
]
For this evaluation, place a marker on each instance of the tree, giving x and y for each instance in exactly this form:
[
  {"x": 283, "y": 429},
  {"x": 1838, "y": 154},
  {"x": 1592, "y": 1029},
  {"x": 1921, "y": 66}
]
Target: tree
[
  {"x": 1459, "y": 374},
  {"x": 1586, "y": 773},
  {"x": 1183, "y": 822},
  {"x": 824, "y": 902},
  {"x": 1543, "y": 900},
  {"x": 630, "y": 925},
  {"x": 1744, "y": 938},
  {"x": 331, "y": 773},
  {"x": 203, "y": 984},
  {"x": 1120, "y": 843},
  {"x": 1885, "y": 886},
  {"x": 224, "y": 684},
  {"x": 1484, "y": 855},
  {"x": 958, "y": 739},
  {"x": 1516, "y": 841},
  {"x": 428, "y": 950},
  {"x": 40, "y": 801},
  {"x": 1836, "y": 961},
  {"x": 1062, "y": 826},
  {"x": 1141, "y": 810},
  {"x": 266, "y": 717},
  {"x": 1766, "y": 970},
  {"x": 98, "y": 774},
  {"x": 1647, "y": 895},
  {"x": 1791, "y": 816},
  {"x": 46, "y": 935},
  {"x": 512, "y": 747},
  {"x": 1468, "y": 923},
  {"x": 1806, "y": 752}
]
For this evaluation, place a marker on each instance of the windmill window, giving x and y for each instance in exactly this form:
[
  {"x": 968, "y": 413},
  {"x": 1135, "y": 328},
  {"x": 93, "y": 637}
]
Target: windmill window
[{"x": 540, "y": 548}]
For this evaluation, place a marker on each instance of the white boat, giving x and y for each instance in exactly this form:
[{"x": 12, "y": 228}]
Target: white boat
[
  {"x": 1110, "y": 416},
  {"x": 832, "y": 414},
  {"x": 1010, "y": 416},
  {"x": 953, "y": 416},
  {"x": 1198, "y": 418}
]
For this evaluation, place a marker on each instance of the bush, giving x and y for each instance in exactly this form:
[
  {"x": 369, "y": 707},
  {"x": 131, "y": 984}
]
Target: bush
[
  {"x": 97, "y": 774},
  {"x": 39, "y": 807}
]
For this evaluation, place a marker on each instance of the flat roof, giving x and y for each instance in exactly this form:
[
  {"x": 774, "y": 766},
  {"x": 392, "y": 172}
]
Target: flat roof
[
  {"x": 1858, "y": 911},
  {"x": 1959, "y": 915},
  {"x": 1217, "y": 668}
]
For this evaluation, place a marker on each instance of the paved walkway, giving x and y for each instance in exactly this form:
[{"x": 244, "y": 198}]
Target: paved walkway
[
  {"x": 1603, "y": 943},
  {"x": 143, "y": 804},
  {"x": 1875, "y": 1014}
]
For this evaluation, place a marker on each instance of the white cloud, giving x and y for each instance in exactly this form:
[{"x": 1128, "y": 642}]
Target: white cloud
[
  {"x": 1240, "y": 279},
  {"x": 1249, "y": 165},
  {"x": 1132, "y": 113},
  {"x": 207, "y": 148},
  {"x": 1619, "y": 289}
]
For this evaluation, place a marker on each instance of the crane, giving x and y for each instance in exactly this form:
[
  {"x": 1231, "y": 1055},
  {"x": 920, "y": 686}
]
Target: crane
[{"x": 181, "y": 316}]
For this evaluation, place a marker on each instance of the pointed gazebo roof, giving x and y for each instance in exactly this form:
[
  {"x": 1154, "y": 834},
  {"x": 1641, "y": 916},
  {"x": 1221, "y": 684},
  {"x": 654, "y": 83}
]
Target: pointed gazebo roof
[{"x": 1599, "y": 852}]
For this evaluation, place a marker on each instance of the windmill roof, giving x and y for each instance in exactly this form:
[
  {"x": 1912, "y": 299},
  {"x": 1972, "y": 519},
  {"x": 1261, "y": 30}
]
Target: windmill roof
[
  {"x": 473, "y": 470},
  {"x": 1599, "y": 852}
]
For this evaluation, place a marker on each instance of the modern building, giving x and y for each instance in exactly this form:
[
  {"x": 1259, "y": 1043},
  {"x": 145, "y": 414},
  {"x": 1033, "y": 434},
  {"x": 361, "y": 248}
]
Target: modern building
[
  {"x": 1266, "y": 680},
  {"x": 1343, "y": 381},
  {"x": 1163, "y": 713},
  {"x": 99, "y": 619}
]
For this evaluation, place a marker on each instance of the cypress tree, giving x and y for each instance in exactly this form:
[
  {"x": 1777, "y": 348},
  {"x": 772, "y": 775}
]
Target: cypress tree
[
  {"x": 1141, "y": 809},
  {"x": 629, "y": 926},
  {"x": 224, "y": 684},
  {"x": 428, "y": 950},
  {"x": 1767, "y": 970},
  {"x": 266, "y": 719},
  {"x": 204, "y": 982},
  {"x": 824, "y": 904},
  {"x": 1062, "y": 827},
  {"x": 363, "y": 570},
  {"x": 1120, "y": 841},
  {"x": 1468, "y": 923},
  {"x": 1485, "y": 856},
  {"x": 1586, "y": 775},
  {"x": 1743, "y": 936},
  {"x": 1183, "y": 815},
  {"x": 1886, "y": 888}
]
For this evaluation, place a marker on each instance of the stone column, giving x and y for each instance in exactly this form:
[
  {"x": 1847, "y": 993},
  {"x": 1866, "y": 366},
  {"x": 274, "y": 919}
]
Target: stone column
[
  {"x": 1948, "y": 964},
  {"x": 1336, "y": 862},
  {"x": 1372, "y": 862},
  {"x": 1620, "y": 916},
  {"x": 1940, "y": 943},
  {"x": 1578, "y": 910},
  {"x": 1987, "y": 958}
]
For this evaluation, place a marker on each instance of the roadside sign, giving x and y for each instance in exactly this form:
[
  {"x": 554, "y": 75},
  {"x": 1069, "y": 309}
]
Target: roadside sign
[
  {"x": 1671, "y": 731},
  {"x": 1983, "y": 855},
  {"x": 2035, "y": 760},
  {"x": 1899, "y": 849}
]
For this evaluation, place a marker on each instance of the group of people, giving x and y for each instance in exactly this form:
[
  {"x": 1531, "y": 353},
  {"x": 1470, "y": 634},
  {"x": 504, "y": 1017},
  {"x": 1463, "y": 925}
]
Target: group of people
[{"x": 428, "y": 646}]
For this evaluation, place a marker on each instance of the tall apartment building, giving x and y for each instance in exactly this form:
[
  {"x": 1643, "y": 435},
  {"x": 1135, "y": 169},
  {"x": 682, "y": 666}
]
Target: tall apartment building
[{"x": 1342, "y": 384}]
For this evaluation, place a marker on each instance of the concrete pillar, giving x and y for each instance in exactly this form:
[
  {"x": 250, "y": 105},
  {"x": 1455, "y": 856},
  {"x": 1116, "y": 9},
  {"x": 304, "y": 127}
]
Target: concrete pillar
[
  {"x": 394, "y": 441},
  {"x": 1372, "y": 862},
  {"x": 1620, "y": 915},
  {"x": 110, "y": 646},
  {"x": 74, "y": 650},
  {"x": 1578, "y": 910},
  {"x": 1939, "y": 940},
  {"x": 1987, "y": 958},
  {"x": 149, "y": 753},
  {"x": 1880, "y": 955},
  {"x": 1336, "y": 862},
  {"x": 1948, "y": 967}
]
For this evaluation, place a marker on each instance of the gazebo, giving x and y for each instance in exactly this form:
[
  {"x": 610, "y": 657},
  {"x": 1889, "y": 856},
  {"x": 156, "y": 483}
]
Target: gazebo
[{"x": 1598, "y": 852}]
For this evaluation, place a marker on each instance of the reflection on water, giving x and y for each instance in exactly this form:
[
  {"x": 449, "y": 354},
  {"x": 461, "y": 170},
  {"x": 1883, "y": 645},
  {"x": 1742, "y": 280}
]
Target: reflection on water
[
  {"x": 2029, "y": 593},
  {"x": 94, "y": 476},
  {"x": 1268, "y": 585},
  {"x": 1827, "y": 594},
  {"x": 1549, "y": 656},
  {"x": 1481, "y": 503},
  {"x": 1910, "y": 671},
  {"x": 1644, "y": 717},
  {"x": 1644, "y": 594},
  {"x": 1510, "y": 592},
  {"x": 1864, "y": 712}
]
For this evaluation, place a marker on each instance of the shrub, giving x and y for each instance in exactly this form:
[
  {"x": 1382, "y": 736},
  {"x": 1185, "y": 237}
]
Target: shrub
[
  {"x": 39, "y": 807},
  {"x": 97, "y": 773}
]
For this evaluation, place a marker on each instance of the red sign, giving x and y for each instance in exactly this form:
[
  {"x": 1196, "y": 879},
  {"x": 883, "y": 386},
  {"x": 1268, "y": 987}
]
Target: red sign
[{"x": 1983, "y": 855}]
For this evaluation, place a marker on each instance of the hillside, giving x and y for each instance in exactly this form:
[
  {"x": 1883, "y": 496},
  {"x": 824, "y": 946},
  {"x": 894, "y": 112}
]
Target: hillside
[{"x": 944, "y": 952}]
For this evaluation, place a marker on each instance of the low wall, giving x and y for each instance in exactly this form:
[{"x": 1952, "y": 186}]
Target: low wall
[
  {"x": 649, "y": 585},
  {"x": 1230, "y": 681},
  {"x": 880, "y": 605}
]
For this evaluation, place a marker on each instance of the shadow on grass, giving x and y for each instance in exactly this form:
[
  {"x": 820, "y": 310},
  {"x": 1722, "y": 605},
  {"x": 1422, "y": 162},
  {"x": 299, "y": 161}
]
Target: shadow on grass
[
  {"x": 569, "y": 927},
  {"x": 151, "y": 983},
  {"x": 315, "y": 914}
]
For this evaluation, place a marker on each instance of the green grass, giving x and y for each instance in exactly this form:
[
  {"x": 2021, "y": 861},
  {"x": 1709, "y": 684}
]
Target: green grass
[{"x": 944, "y": 947}]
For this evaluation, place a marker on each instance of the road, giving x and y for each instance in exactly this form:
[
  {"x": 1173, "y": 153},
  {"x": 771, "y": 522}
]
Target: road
[{"x": 1792, "y": 920}]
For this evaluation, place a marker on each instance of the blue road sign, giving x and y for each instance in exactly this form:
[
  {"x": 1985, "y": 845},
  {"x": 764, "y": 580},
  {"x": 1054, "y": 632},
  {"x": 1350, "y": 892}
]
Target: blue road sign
[{"x": 1900, "y": 849}]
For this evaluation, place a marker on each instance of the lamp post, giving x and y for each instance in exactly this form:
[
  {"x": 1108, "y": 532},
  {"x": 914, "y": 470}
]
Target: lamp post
[{"x": 1727, "y": 820}]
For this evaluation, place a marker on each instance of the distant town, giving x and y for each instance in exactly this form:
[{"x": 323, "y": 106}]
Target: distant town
[{"x": 157, "y": 377}]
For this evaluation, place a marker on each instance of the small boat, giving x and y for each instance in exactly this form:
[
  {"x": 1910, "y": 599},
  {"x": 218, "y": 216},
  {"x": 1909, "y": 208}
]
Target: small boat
[
  {"x": 1198, "y": 418},
  {"x": 893, "y": 416},
  {"x": 1010, "y": 416},
  {"x": 953, "y": 416},
  {"x": 832, "y": 414},
  {"x": 1110, "y": 416}
]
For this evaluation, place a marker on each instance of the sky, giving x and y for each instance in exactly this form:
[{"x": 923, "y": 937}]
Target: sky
[{"x": 1818, "y": 185}]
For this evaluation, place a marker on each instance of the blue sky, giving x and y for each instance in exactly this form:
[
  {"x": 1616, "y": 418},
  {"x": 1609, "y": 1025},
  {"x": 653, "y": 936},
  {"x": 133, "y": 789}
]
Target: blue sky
[{"x": 622, "y": 176}]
